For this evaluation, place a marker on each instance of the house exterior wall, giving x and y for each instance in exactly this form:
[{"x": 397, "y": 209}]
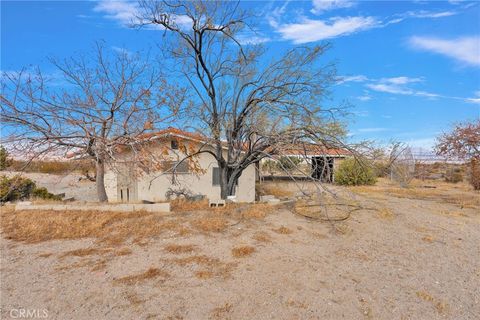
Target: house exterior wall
[{"x": 154, "y": 185}]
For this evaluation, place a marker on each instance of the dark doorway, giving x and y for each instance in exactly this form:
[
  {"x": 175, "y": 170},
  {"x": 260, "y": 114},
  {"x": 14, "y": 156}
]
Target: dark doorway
[{"x": 322, "y": 168}]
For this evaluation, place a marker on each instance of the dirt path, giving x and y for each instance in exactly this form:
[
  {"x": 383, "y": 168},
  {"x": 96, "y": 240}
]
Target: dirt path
[{"x": 420, "y": 261}]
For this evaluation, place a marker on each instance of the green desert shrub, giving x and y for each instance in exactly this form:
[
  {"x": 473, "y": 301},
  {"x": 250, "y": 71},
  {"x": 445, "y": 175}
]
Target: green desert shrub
[
  {"x": 19, "y": 188},
  {"x": 4, "y": 160},
  {"x": 352, "y": 172},
  {"x": 288, "y": 163}
]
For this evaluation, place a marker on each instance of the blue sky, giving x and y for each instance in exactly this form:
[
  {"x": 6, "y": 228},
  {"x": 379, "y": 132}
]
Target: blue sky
[{"x": 409, "y": 69}]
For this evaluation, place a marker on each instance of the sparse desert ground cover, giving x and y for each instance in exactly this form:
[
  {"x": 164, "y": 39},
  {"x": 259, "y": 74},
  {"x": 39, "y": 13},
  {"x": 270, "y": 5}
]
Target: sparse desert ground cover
[{"x": 409, "y": 254}]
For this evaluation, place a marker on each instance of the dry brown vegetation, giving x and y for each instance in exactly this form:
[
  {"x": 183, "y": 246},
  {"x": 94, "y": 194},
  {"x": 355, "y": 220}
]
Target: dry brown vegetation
[
  {"x": 262, "y": 236},
  {"x": 459, "y": 194},
  {"x": 243, "y": 251},
  {"x": 222, "y": 311},
  {"x": 274, "y": 190},
  {"x": 179, "y": 249},
  {"x": 258, "y": 211},
  {"x": 108, "y": 227},
  {"x": 204, "y": 274},
  {"x": 210, "y": 224},
  {"x": 440, "y": 306},
  {"x": 150, "y": 274},
  {"x": 210, "y": 266},
  {"x": 283, "y": 230}
]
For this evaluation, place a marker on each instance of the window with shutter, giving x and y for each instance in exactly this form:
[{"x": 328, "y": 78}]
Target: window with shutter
[{"x": 216, "y": 176}]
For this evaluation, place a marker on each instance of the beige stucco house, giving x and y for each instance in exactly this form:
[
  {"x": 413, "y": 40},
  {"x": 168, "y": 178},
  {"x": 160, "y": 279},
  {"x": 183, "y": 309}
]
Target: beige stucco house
[{"x": 131, "y": 181}]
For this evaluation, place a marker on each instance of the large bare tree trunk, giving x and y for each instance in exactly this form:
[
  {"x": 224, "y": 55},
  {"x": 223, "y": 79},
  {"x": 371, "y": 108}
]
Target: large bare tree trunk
[{"x": 100, "y": 181}]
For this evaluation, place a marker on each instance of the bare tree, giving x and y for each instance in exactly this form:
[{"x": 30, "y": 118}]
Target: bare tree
[
  {"x": 104, "y": 102},
  {"x": 463, "y": 142},
  {"x": 251, "y": 107}
]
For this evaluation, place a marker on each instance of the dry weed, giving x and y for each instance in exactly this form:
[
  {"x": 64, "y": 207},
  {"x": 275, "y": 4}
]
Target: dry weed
[
  {"x": 210, "y": 224},
  {"x": 85, "y": 252},
  {"x": 133, "y": 298},
  {"x": 213, "y": 265},
  {"x": 110, "y": 228},
  {"x": 441, "y": 307},
  {"x": 204, "y": 274},
  {"x": 221, "y": 312},
  {"x": 283, "y": 230},
  {"x": 183, "y": 205},
  {"x": 151, "y": 273},
  {"x": 385, "y": 213},
  {"x": 274, "y": 190},
  {"x": 243, "y": 251},
  {"x": 262, "y": 236},
  {"x": 45, "y": 255},
  {"x": 180, "y": 249},
  {"x": 296, "y": 304},
  {"x": 428, "y": 239},
  {"x": 258, "y": 211}
]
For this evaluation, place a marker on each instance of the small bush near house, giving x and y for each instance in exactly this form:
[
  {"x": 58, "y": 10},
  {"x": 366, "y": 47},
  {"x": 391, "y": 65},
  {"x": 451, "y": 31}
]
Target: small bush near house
[
  {"x": 19, "y": 188},
  {"x": 352, "y": 172}
]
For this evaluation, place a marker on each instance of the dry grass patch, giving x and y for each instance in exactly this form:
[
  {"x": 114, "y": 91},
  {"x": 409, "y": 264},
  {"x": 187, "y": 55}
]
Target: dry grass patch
[
  {"x": 204, "y": 274},
  {"x": 210, "y": 224},
  {"x": 183, "y": 205},
  {"x": 110, "y": 228},
  {"x": 257, "y": 211},
  {"x": 460, "y": 194},
  {"x": 222, "y": 311},
  {"x": 274, "y": 190},
  {"x": 243, "y": 251},
  {"x": 85, "y": 252},
  {"x": 150, "y": 274},
  {"x": 134, "y": 299},
  {"x": 212, "y": 265},
  {"x": 441, "y": 307},
  {"x": 180, "y": 249},
  {"x": 262, "y": 236},
  {"x": 283, "y": 230},
  {"x": 385, "y": 213}
]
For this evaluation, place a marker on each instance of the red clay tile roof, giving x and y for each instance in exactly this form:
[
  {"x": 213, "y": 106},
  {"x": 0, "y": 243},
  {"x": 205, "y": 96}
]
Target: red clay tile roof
[{"x": 305, "y": 149}]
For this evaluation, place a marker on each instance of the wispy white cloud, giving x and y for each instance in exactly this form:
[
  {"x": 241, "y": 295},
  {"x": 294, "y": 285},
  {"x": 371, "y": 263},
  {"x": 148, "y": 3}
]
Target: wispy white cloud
[
  {"x": 251, "y": 38},
  {"x": 122, "y": 50},
  {"x": 399, "y": 85},
  {"x": 364, "y": 98},
  {"x": 320, "y": 6},
  {"x": 475, "y": 99},
  {"x": 366, "y": 130},
  {"x": 308, "y": 30},
  {"x": 464, "y": 49},
  {"x": 124, "y": 12},
  {"x": 352, "y": 78},
  {"x": 127, "y": 13}
]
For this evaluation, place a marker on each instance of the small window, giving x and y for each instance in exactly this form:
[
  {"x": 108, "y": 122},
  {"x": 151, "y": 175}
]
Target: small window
[
  {"x": 174, "y": 144},
  {"x": 216, "y": 176},
  {"x": 121, "y": 194}
]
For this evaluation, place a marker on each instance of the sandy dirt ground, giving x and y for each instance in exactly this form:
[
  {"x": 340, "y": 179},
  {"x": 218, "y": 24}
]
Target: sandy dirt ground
[{"x": 414, "y": 259}]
